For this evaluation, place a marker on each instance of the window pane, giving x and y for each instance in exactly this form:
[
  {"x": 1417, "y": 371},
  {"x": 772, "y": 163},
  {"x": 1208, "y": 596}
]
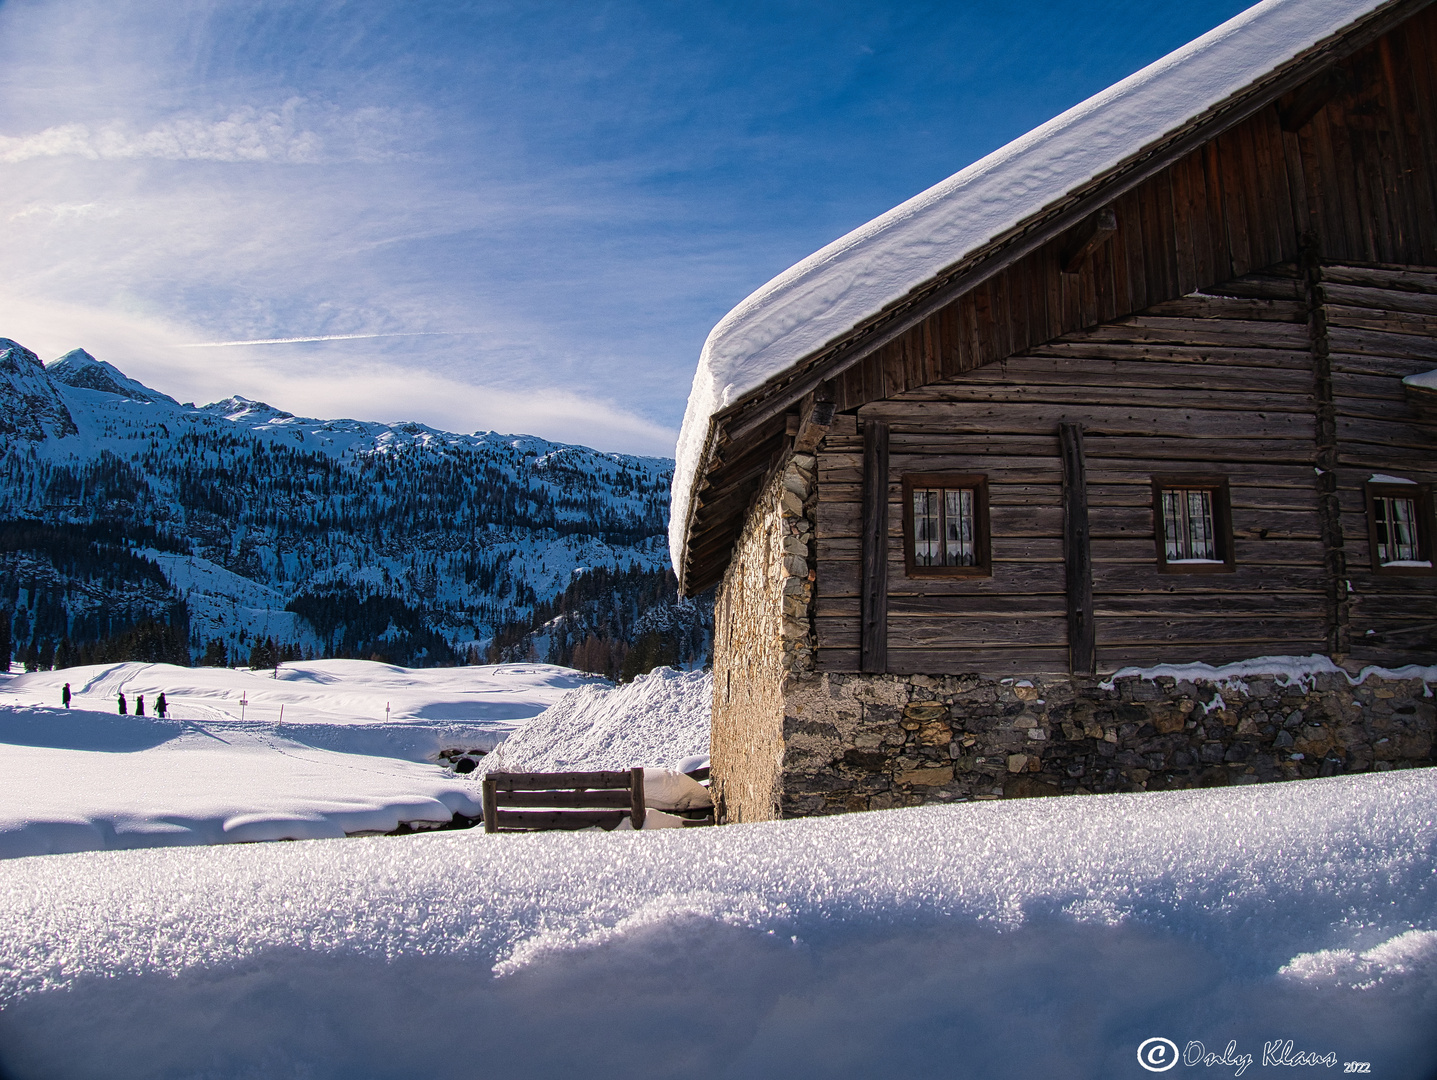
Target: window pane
[
  {"x": 926, "y": 532},
  {"x": 1396, "y": 530},
  {"x": 958, "y": 548},
  {"x": 1174, "y": 527},
  {"x": 1189, "y": 528},
  {"x": 1200, "y": 531}
]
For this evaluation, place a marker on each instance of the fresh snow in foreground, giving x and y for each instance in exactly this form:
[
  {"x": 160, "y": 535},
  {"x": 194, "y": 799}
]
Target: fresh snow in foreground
[
  {"x": 660, "y": 719},
  {"x": 1020, "y": 939},
  {"x": 88, "y": 778}
]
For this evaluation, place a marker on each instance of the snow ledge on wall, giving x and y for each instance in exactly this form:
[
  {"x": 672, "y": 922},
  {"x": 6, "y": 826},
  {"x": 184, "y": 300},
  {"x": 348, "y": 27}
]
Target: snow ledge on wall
[{"x": 1287, "y": 670}]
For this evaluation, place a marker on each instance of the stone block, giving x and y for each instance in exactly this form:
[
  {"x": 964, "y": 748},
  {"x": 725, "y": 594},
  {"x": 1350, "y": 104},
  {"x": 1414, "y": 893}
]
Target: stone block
[{"x": 926, "y": 777}]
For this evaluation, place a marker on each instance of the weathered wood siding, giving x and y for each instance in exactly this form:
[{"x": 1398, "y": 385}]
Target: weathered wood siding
[
  {"x": 1380, "y": 325},
  {"x": 1223, "y": 384},
  {"x": 1288, "y": 382},
  {"x": 1358, "y": 178}
]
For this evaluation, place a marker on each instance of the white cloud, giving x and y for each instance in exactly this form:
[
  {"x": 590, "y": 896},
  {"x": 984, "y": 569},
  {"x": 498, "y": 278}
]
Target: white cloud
[{"x": 245, "y": 134}]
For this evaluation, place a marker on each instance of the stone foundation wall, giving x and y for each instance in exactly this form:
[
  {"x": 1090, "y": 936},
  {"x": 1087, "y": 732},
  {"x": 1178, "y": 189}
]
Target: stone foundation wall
[
  {"x": 867, "y": 742},
  {"x": 763, "y": 640}
]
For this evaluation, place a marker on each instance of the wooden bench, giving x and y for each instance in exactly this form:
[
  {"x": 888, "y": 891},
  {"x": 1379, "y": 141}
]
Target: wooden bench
[{"x": 573, "y": 800}]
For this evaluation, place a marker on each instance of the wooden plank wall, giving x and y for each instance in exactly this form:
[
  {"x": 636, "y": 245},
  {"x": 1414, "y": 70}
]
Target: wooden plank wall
[
  {"x": 1197, "y": 385},
  {"x": 1224, "y": 382},
  {"x": 1381, "y": 326},
  {"x": 1361, "y": 178}
]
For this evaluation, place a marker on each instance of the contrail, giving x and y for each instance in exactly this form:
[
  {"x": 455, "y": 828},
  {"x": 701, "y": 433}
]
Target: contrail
[{"x": 321, "y": 337}]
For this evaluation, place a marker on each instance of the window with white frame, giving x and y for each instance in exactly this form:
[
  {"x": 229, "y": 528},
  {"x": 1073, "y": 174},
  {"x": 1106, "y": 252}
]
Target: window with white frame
[
  {"x": 945, "y": 524},
  {"x": 1399, "y": 526},
  {"x": 1192, "y": 523}
]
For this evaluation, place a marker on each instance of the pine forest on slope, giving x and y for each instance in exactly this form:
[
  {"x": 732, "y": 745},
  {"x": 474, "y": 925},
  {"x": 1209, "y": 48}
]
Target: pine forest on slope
[{"x": 135, "y": 527}]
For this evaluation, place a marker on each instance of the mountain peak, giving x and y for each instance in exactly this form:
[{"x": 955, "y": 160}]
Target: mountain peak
[
  {"x": 78, "y": 368},
  {"x": 16, "y": 359},
  {"x": 239, "y": 407},
  {"x": 30, "y": 406}
]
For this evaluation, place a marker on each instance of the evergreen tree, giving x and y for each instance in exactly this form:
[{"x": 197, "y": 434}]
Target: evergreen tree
[{"x": 6, "y": 646}]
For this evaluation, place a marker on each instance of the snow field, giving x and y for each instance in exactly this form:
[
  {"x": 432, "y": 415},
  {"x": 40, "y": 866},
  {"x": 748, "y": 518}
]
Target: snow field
[
  {"x": 1044, "y": 937},
  {"x": 218, "y": 771}
]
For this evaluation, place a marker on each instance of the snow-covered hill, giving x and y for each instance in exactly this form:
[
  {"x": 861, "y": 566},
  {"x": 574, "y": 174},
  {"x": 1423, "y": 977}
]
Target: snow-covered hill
[
  {"x": 337, "y": 536},
  {"x": 317, "y": 749}
]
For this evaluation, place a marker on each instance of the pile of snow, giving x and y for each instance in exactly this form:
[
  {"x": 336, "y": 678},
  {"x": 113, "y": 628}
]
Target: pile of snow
[
  {"x": 246, "y": 755},
  {"x": 660, "y": 719},
  {"x": 1043, "y": 937},
  {"x": 857, "y": 276}
]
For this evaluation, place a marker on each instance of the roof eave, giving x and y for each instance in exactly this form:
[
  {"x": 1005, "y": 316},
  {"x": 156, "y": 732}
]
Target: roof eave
[{"x": 748, "y": 413}]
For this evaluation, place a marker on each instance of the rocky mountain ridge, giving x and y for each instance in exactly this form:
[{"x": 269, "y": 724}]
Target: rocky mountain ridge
[{"x": 327, "y": 536}]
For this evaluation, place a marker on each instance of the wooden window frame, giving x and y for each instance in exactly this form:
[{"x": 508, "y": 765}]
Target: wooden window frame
[
  {"x": 1422, "y": 495},
  {"x": 982, "y": 545},
  {"x": 1222, "y": 521}
]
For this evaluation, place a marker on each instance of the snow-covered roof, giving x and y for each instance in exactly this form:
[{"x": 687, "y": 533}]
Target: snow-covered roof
[{"x": 834, "y": 290}]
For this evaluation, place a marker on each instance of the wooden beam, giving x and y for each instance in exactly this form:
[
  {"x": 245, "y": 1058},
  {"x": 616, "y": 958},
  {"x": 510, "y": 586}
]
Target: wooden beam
[
  {"x": 552, "y": 781},
  {"x": 491, "y": 816},
  {"x": 1297, "y": 108},
  {"x": 637, "y": 812},
  {"x": 1087, "y": 238},
  {"x": 1077, "y": 552},
  {"x": 873, "y": 637},
  {"x": 815, "y": 418}
]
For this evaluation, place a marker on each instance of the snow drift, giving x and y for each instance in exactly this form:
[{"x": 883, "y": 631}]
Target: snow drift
[
  {"x": 659, "y": 719},
  {"x": 1042, "y": 937}
]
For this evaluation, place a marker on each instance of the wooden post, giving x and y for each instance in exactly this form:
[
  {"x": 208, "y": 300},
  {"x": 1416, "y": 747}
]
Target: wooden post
[
  {"x": 873, "y": 640},
  {"x": 637, "y": 812},
  {"x": 1329, "y": 509},
  {"x": 1077, "y": 553},
  {"x": 491, "y": 812}
]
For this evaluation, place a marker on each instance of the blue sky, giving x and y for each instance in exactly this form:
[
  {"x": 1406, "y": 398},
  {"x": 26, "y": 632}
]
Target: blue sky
[{"x": 547, "y": 205}]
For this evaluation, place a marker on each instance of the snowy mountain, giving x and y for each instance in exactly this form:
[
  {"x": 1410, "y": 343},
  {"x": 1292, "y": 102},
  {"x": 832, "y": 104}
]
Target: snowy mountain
[{"x": 236, "y": 522}]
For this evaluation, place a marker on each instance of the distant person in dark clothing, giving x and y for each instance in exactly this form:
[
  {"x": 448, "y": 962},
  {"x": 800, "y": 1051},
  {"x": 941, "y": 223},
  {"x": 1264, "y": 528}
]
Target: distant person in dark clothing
[
  {"x": 140, "y": 705},
  {"x": 123, "y": 709},
  {"x": 65, "y": 696},
  {"x": 161, "y": 706}
]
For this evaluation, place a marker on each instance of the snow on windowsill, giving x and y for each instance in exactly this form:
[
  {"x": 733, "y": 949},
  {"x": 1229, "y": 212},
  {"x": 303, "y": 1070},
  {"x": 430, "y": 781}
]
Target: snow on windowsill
[
  {"x": 1400, "y": 563},
  {"x": 1188, "y": 562},
  {"x": 1383, "y": 478}
]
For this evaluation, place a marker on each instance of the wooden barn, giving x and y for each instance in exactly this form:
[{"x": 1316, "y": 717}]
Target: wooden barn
[{"x": 1144, "y": 387}]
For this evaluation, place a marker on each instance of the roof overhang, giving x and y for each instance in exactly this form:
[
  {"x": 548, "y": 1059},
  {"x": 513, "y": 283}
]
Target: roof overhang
[{"x": 746, "y": 438}]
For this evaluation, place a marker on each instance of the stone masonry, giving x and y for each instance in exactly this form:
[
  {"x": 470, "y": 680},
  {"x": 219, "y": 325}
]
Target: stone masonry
[
  {"x": 789, "y": 741},
  {"x": 865, "y": 742},
  {"x": 763, "y": 642}
]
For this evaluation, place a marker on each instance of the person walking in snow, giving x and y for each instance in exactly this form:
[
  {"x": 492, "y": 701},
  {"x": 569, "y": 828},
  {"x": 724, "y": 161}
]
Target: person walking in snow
[
  {"x": 65, "y": 696},
  {"x": 140, "y": 705},
  {"x": 123, "y": 709},
  {"x": 161, "y": 706}
]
